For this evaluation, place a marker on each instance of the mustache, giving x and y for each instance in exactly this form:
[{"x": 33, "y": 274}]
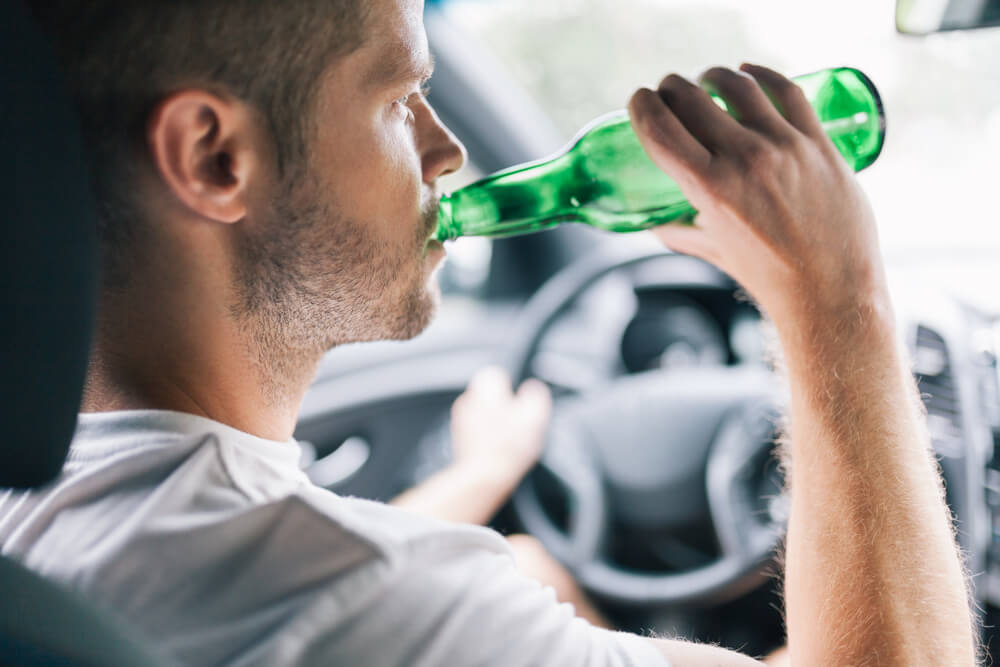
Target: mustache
[{"x": 430, "y": 215}]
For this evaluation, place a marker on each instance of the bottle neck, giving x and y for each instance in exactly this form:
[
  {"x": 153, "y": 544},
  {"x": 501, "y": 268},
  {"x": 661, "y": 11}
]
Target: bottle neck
[
  {"x": 446, "y": 230},
  {"x": 522, "y": 199}
]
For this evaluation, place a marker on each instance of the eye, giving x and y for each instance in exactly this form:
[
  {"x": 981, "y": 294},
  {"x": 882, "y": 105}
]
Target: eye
[{"x": 403, "y": 102}]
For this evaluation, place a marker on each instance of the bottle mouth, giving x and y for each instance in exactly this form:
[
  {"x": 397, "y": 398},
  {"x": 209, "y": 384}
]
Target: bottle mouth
[
  {"x": 446, "y": 228},
  {"x": 879, "y": 111}
]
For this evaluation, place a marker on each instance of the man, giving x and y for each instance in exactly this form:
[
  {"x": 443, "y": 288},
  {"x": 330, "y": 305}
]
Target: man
[{"x": 266, "y": 173}]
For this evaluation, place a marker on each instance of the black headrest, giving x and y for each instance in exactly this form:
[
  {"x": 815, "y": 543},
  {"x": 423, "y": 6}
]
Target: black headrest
[{"x": 49, "y": 256}]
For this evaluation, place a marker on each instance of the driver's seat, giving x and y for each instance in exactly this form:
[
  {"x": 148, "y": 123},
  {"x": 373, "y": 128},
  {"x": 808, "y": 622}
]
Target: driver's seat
[{"x": 49, "y": 272}]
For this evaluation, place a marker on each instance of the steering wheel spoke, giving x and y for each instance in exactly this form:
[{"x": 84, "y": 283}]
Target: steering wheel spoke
[
  {"x": 745, "y": 440},
  {"x": 573, "y": 468}
]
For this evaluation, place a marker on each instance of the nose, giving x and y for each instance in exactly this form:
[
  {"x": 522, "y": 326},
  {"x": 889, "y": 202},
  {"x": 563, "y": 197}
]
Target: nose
[{"x": 441, "y": 151}]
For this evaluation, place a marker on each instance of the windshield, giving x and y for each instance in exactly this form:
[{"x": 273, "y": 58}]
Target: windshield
[{"x": 934, "y": 186}]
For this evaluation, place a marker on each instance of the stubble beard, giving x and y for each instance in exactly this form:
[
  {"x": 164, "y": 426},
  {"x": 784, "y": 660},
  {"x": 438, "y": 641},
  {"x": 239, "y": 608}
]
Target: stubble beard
[{"x": 310, "y": 278}]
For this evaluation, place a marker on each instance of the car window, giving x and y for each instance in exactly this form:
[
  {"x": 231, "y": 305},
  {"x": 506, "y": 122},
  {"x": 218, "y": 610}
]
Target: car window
[{"x": 932, "y": 188}]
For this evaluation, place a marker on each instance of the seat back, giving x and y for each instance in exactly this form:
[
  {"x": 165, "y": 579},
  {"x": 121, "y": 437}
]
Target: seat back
[
  {"x": 41, "y": 624},
  {"x": 49, "y": 258},
  {"x": 48, "y": 280}
]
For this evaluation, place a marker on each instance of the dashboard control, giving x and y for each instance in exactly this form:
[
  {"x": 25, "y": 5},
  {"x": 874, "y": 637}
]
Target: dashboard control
[
  {"x": 936, "y": 382},
  {"x": 986, "y": 345},
  {"x": 341, "y": 464}
]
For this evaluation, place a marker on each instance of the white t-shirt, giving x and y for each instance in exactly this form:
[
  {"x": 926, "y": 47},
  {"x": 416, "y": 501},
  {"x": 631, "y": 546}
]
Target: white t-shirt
[{"x": 213, "y": 545}]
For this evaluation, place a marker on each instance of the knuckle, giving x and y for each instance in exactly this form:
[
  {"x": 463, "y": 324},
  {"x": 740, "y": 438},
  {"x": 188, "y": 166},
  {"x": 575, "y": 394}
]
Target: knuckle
[
  {"x": 778, "y": 83},
  {"x": 795, "y": 95},
  {"x": 791, "y": 142},
  {"x": 716, "y": 74},
  {"x": 788, "y": 92},
  {"x": 731, "y": 83},
  {"x": 734, "y": 79},
  {"x": 672, "y": 80},
  {"x": 674, "y": 84},
  {"x": 636, "y": 102},
  {"x": 759, "y": 156}
]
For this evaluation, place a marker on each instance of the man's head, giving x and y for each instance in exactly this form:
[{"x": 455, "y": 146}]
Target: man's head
[{"x": 280, "y": 148}]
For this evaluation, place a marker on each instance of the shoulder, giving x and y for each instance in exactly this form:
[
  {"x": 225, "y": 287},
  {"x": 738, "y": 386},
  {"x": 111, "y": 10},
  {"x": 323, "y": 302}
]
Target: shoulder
[{"x": 220, "y": 554}]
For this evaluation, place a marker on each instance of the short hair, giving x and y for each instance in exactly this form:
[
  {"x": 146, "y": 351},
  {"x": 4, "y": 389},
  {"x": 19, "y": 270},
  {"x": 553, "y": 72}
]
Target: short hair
[{"x": 123, "y": 56}]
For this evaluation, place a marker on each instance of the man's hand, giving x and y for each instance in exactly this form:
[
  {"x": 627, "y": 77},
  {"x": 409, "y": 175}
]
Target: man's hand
[
  {"x": 872, "y": 573},
  {"x": 497, "y": 436},
  {"x": 497, "y": 433},
  {"x": 779, "y": 209}
]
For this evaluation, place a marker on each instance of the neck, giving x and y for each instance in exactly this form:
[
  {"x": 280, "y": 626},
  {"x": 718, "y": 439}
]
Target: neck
[{"x": 191, "y": 356}]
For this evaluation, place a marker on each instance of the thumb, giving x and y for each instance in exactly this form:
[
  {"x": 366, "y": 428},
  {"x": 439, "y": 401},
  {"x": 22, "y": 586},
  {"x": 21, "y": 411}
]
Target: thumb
[
  {"x": 686, "y": 239},
  {"x": 491, "y": 383},
  {"x": 534, "y": 403}
]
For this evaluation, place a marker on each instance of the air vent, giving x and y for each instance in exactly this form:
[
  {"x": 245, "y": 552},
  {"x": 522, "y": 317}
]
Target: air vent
[{"x": 936, "y": 381}]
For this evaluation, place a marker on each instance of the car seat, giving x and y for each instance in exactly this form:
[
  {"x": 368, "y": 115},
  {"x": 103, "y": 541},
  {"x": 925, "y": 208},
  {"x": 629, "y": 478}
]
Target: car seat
[{"x": 49, "y": 277}]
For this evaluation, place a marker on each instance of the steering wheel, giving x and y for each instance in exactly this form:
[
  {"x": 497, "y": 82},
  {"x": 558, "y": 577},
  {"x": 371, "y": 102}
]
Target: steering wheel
[{"x": 651, "y": 450}]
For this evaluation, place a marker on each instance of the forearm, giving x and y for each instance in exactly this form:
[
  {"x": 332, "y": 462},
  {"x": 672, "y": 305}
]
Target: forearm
[
  {"x": 458, "y": 494},
  {"x": 873, "y": 574}
]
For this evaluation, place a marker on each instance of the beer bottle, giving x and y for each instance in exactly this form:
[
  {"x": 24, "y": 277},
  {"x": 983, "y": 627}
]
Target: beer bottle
[{"x": 606, "y": 180}]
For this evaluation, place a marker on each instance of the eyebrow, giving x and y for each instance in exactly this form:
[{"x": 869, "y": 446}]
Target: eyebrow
[{"x": 398, "y": 68}]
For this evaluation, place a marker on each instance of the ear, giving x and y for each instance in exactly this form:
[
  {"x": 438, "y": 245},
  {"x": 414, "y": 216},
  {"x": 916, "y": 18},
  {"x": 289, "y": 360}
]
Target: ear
[{"x": 206, "y": 150}]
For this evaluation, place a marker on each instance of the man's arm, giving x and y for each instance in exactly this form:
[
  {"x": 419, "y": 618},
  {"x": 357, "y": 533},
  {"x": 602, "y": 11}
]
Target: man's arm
[
  {"x": 872, "y": 571},
  {"x": 458, "y": 494},
  {"x": 873, "y": 575},
  {"x": 497, "y": 436}
]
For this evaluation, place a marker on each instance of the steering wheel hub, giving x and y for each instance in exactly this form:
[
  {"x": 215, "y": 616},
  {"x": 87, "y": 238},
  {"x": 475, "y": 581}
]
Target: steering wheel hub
[{"x": 653, "y": 434}]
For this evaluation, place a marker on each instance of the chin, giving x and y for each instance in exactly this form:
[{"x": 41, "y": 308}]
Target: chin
[
  {"x": 398, "y": 315},
  {"x": 404, "y": 319},
  {"x": 420, "y": 311}
]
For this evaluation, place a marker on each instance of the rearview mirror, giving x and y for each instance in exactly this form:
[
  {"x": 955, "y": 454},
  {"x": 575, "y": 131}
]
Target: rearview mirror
[{"x": 920, "y": 17}]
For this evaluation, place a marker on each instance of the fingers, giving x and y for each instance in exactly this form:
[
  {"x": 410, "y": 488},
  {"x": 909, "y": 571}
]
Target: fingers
[
  {"x": 663, "y": 136},
  {"x": 490, "y": 383},
  {"x": 746, "y": 100},
  {"x": 701, "y": 116},
  {"x": 491, "y": 386},
  {"x": 685, "y": 132},
  {"x": 788, "y": 98},
  {"x": 687, "y": 240},
  {"x": 534, "y": 402}
]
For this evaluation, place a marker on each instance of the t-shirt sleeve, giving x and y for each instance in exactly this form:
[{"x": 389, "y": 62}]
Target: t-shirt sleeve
[{"x": 447, "y": 604}]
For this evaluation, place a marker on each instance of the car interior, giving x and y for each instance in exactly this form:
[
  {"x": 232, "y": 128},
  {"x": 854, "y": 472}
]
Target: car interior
[{"x": 659, "y": 487}]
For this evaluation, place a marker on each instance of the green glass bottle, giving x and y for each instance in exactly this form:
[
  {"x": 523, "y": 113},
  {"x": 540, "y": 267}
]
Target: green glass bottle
[{"x": 606, "y": 180}]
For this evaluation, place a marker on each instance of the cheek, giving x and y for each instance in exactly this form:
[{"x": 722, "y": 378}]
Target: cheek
[
  {"x": 379, "y": 182},
  {"x": 402, "y": 162}
]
